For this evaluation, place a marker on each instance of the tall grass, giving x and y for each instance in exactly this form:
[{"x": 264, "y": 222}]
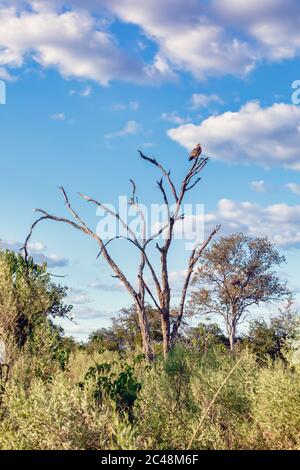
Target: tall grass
[{"x": 244, "y": 406}]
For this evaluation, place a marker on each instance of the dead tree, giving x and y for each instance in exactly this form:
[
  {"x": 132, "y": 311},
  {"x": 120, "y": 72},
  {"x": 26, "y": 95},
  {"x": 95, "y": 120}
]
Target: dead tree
[
  {"x": 160, "y": 295},
  {"x": 190, "y": 180}
]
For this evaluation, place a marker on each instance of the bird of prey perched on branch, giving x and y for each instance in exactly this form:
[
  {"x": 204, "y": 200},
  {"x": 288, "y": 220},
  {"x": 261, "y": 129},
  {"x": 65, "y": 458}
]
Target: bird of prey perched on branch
[{"x": 196, "y": 152}]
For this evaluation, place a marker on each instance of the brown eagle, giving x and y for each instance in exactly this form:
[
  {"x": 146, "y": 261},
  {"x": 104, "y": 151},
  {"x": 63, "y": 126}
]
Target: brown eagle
[{"x": 196, "y": 152}]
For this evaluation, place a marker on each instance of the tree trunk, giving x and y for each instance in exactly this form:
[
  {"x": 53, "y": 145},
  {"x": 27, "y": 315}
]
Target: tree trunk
[
  {"x": 165, "y": 300},
  {"x": 231, "y": 337},
  {"x": 165, "y": 326},
  {"x": 144, "y": 327}
]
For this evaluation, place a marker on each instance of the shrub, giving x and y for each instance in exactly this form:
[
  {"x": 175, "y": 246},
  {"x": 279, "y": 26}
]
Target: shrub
[
  {"x": 190, "y": 399},
  {"x": 183, "y": 389},
  {"x": 276, "y": 407},
  {"x": 53, "y": 415},
  {"x": 122, "y": 387}
]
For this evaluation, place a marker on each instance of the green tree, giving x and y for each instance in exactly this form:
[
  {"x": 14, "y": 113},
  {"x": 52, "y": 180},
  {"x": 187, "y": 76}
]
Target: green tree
[
  {"x": 235, "y": 274},
  {"x": 205, "y": 336},
  {"x": 274, "y": 338},
  {"x": 27, "y": 296},
  {"x": 124, "y": 333}
]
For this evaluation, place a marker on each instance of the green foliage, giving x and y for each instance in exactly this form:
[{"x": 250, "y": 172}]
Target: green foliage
[
  {"x": 43, "y": 355},
  {"x": 273, "y": 339},
  {"x": 276, "y": 405},
  {"x": 235, "y": 274},
  {"x": 52, "y": 415},
  {"x": 124, "y": 333},
  {"x": 123, "y": 403},
  {"x": 122, "y": 387},
  {"x": 206, "y": 336},
  {"x": 45, "y": 345},
  {"x": 27, "y": 296},
  {"x": 257, "y": 407},
  {"x": 178, "y": 409}
]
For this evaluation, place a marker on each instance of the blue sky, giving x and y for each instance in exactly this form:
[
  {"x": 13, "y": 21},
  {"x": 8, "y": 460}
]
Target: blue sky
[{"x": 88, "y": 83}]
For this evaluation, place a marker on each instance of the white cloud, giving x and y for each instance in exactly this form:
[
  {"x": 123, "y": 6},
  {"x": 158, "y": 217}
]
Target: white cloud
[
  {"x": 259, "y": 186},
  {"x": 75, "y": 42},
  {"x": 86, "y": 312},
  {"x": 204, "y": 38},
  {"x": 274, "y": 24},
  {"x": 5, "y": 75},
  {"x": 264, "y": 136},
  {"x": 86, "y": 92},
  {"x": 159, "y": 69},
  {"x": 52, "y": 260},
  {"x": 173, "y": 117},
  {"x": 118, "y": 107},
  {"x": 130, "y": 128},
  {"x": 177, "y": 279},
  {"x": 78, "y": 296},
  {"x": 216, "y": 37},
  {"x": 107, "y": 287},
  {"x": 58, "y": 117},
  {"x": 148, "y": 144},
  {"x": 36, "y": 247},
  {"x": 134, "y": 105},
  {"x": 280, "y": 222},
  {"x": 36, "y": 250},
  {"x": 187, "y": 37},
  {"x": 200, "y": 100},
  {"x": 293, "y": 187},
  {"x": 79, "y": 331}
]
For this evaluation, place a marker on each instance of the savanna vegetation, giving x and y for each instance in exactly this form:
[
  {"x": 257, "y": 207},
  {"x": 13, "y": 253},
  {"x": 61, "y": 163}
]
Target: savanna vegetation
[{"x": 217, "y": 388}]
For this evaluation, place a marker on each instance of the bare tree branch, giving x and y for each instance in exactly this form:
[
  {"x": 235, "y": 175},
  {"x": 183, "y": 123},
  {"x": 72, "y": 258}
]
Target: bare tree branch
[
  {"x": 150, "y": 294},
  {"x": 111, "y": 212},
  {"x": 188, "y": 188},
  {"x": 165, "y": 173},
  {"x": 194, "y": 258},
  {"x": 128, "y": 229},
  {"x": 163, "y": 300},
  {"x": 83, "y": 228},
  {"x": 165, "y": 295}
]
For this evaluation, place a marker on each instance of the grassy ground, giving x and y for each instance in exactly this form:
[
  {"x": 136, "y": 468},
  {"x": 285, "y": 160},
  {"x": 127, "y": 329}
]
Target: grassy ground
[{"x": 128, "y": 405}]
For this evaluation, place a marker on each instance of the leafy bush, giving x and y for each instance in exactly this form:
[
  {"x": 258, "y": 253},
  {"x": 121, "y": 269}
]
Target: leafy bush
[
  {"x": 180, "y": 403},
  {"x": 28, "y": 297},
  {"x": 55, "y": 415},
  {"x": 273, "y": 339},
  {"x": 276, "y": 407},
  {"x": 122, "y": 387},
  {"x": 193, "y": 399}
]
